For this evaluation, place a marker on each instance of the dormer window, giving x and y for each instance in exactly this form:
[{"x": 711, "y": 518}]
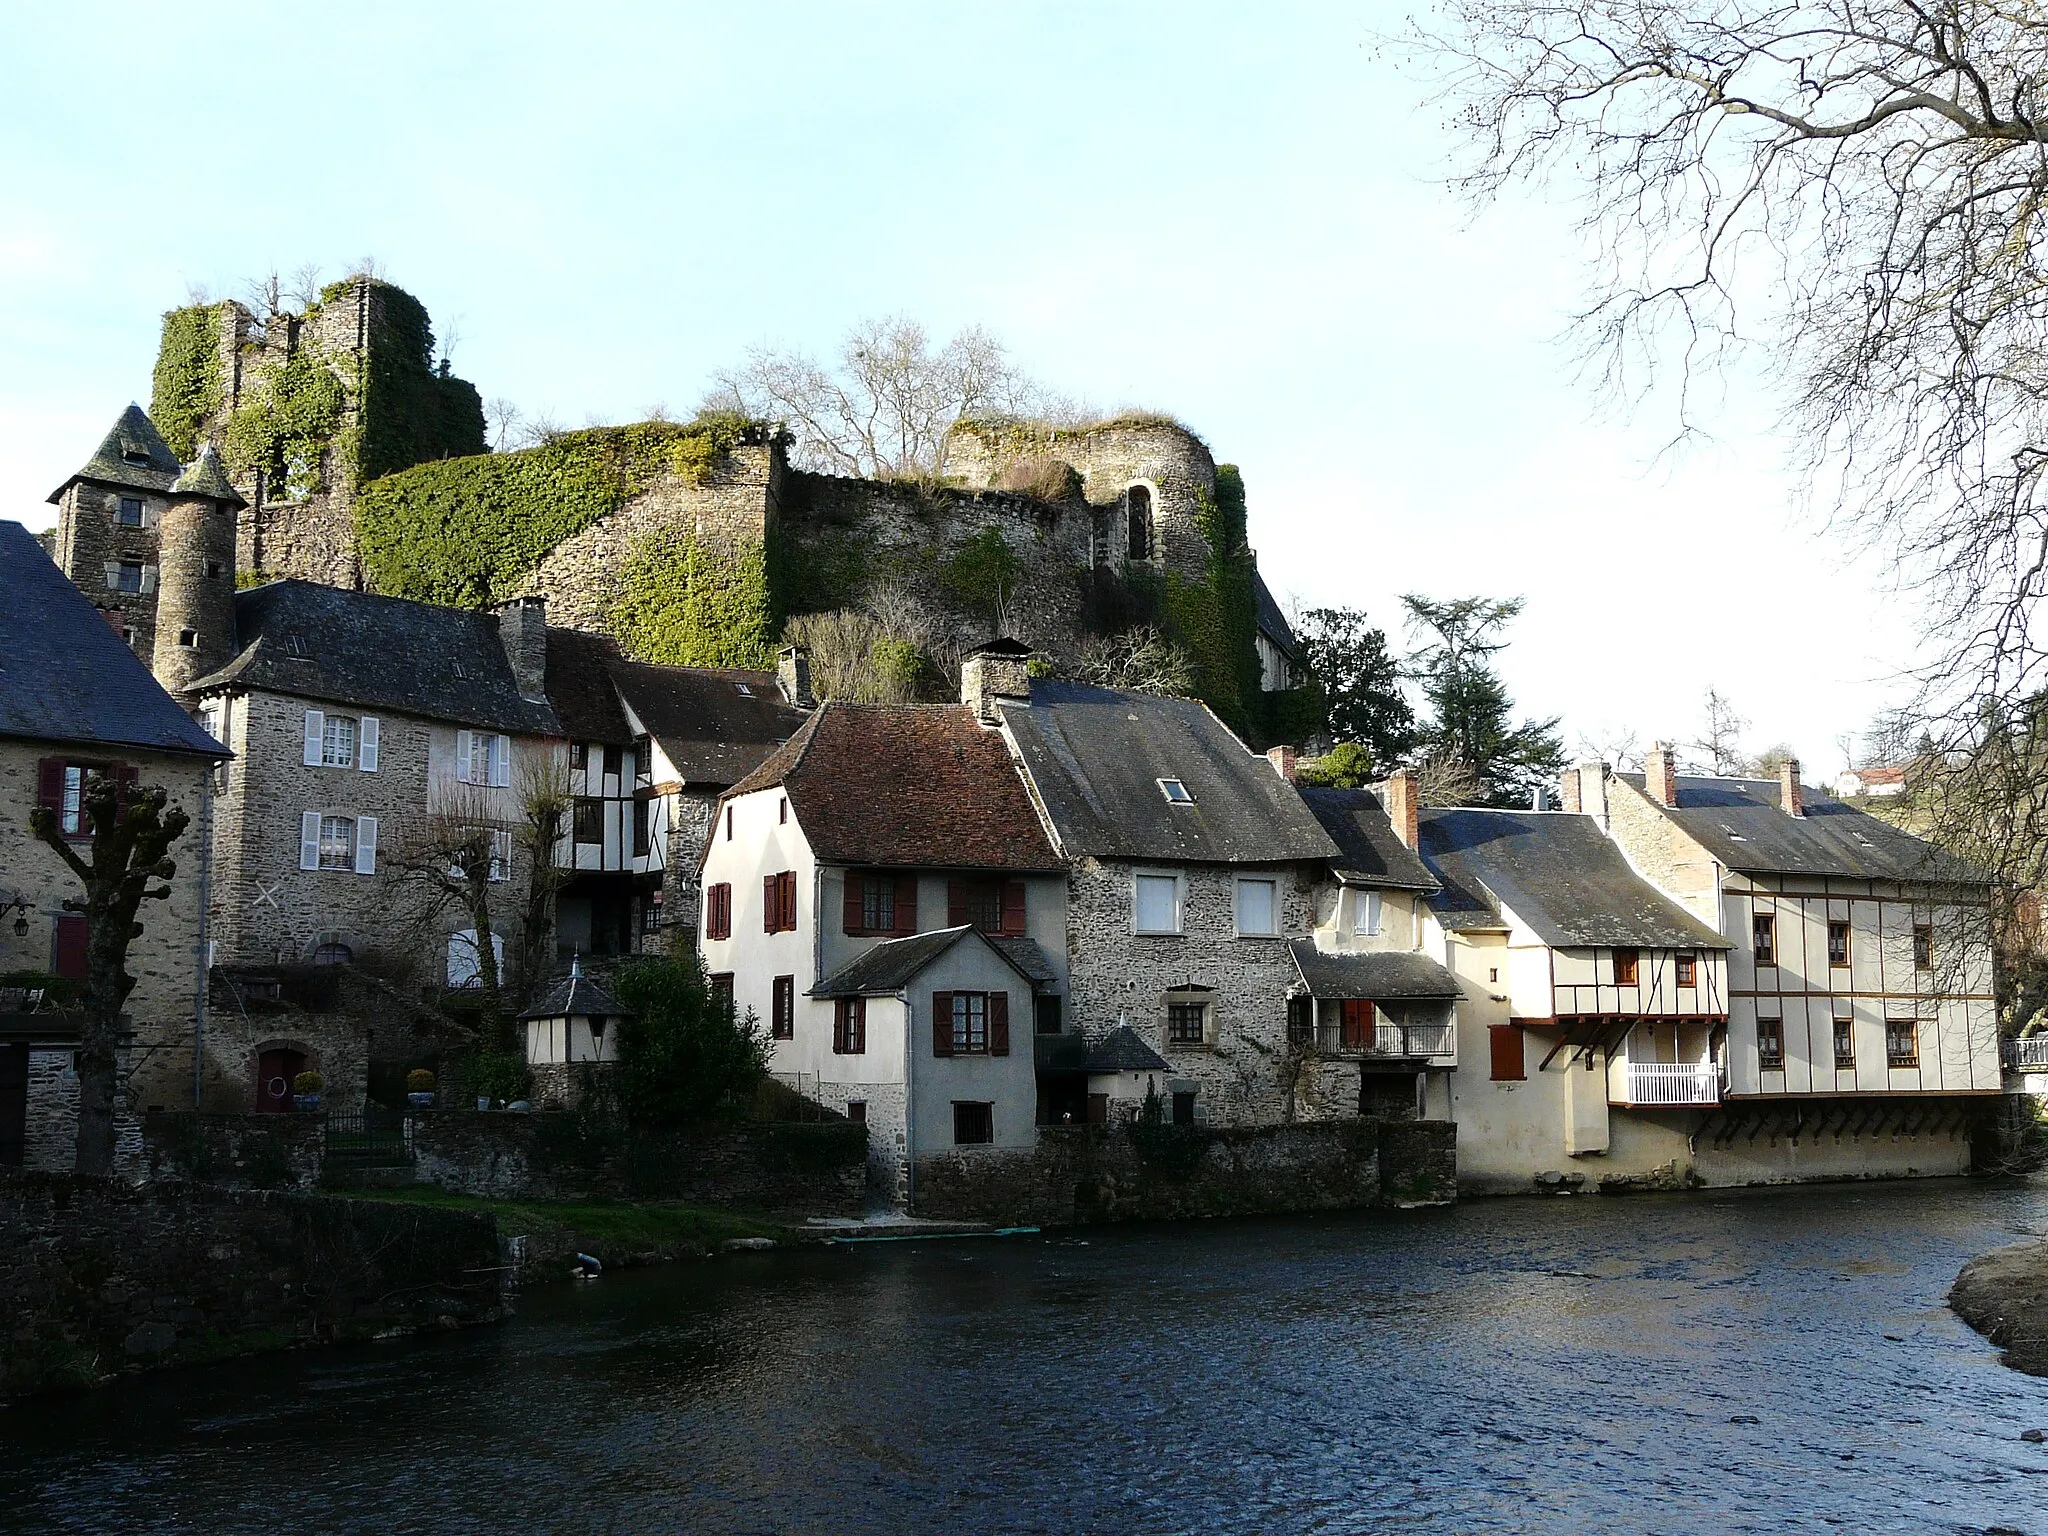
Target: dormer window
[
  {"x": 1176, "y": 792},
  {"x": 134, "y": 455},
  {"x": 743, "y": 690}
]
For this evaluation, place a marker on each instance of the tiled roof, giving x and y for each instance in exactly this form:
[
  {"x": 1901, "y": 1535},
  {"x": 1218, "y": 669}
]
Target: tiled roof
[
  {"x": 1558, "y": 873},
  {"x": 1097, "y": 755},
  {"x": 575, "y": 994},
  {"x": 204, "y": 476},
  {"x": 325, "y": 643},
  {"x": 1381, "y": 975},
  {"x": 133, "y": 454},
  {"x": 65, "y": 675},
  {"x": 1121, "y": 1050},
  {"x": 1369, "y": 852},
  {"x": 906, "y": 786},
  {"x": 1738, "y": 821},
  {"x": 890, "y": 967},
  {"x": 579, "y": 687}
]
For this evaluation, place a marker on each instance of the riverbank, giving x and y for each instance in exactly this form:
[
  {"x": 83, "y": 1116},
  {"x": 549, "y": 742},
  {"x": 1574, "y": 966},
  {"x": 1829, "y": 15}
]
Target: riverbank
[{"x": 2004, "y": 1296}]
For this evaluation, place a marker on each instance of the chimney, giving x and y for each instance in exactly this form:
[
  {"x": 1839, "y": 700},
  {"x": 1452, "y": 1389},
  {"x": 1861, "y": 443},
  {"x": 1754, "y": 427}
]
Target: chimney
[
  {"x": 1791, "y": 798},
  {"x": 793, "y": 676},
  {"x": 1282, "y": 759},
  {"x": 1660, "y": 774},
  {"x": 1568, "y": 787},
  {"x": 1402, "y": 807},
  {"x": 523, "y": 631},
  {"x": 994, "y": 673}
]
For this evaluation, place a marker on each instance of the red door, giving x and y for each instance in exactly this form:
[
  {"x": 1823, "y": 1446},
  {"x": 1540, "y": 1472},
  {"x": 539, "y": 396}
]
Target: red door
[
  {"x": 68, "y": 954},
  {"x": 274, "y": 1073}
]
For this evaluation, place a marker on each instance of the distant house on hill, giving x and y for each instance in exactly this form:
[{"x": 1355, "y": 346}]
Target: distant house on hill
[{"x": 1877, "y": 782}]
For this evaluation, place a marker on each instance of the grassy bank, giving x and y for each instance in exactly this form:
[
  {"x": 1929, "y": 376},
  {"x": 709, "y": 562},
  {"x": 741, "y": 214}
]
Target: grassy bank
[{"x": 616, "y": 1231}]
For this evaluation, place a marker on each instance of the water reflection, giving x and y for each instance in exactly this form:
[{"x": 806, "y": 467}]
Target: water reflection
[{"x": 1776, "y": 1361}]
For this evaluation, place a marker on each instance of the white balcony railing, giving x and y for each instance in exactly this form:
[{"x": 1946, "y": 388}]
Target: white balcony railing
[
  {"x": 2030, "y": 1053},
  {"x": 1674, "y": 1082}
]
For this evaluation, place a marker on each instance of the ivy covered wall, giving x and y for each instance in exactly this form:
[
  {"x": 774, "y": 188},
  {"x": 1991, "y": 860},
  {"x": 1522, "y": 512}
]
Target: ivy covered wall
[{"x": 186, "y": 389}]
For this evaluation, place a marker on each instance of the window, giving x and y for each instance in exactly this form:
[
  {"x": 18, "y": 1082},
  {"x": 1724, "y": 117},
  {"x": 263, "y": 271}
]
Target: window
[
  {"x": 974, "y": 1123},
  {"x": 1183, "y": 1107},
  {"x": 1763, "y": 938},
  {"x": 743, "y": 690},
  {"x": 188, "y": 638},
  {"x": 337, "y": 742},
  {"x": 60, "y": 788},
  {"x": 728, "y": 823},
  {"x": 1187, "y": 1023},
  {"x": 341, "y": 741},
  {"x": 611, "y": 762},
  {"x": 877, "y": 904},
  {"x": 1626, "y": 963},
  {"x": 721, "y": 989},
  {"x": 1045, "y": 1013},
  {"x": 130, "y": 515},
  {"x": 1687, "y": 969},
  {"x": 483, "y": 758},
  {"x": 650, "y": 914},
  {"x": 215, "y": 569},
  {"x": 718, "y": 912},
  {"x": 1845, "y": 1040},
  {"x": 643, "y": 817},
  {"x": 124, "y": 575},
  {"x": 1301, "y": 1020},
  {"x": 1770, "y": 1045},
  {"x": 1902, "y": 1042},
  {"x": 1176, "y": 792},
  {"x": 587, "y": 820},
  {"x": 778, "y": 902},
  {"x": 782, "y": 1008},
  {"x": 970, "y": 1023},
  {"x": 1504, "y": 1042},
  {"x": 1923, "y": 946},
  {"x": 579, "y": 755},
  {"x": 1158, "y": 904},
  {"x": 782, "y": 811},
  {"x": 857, "y": 1111},
  {"x": 1838, "y": 943},
  {"x": 1493, "y": 973},
  {"x": 643, "y": 760},
  {"x": 993, "y": 906},
  {"x": 464, "y": 957},
  {"x": 337, "y": 842},
  {"x": 501, "y": 854},
  {"x": 1258, "y": 909},
  {"x": 850, "y": 1026},
  {"x": 1138, "y": 506},
  {"x": 1365, "y": 912}
]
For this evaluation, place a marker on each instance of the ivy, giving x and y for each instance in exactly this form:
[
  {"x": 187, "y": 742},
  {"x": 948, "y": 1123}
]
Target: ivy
[
  {"x": 694, "y": 603},
  {"x": 412, "y": 413},
  {"x": 981, "y": 574},
  {"x": 288, "y": 423},
  {"x": 186, "y": 387}
]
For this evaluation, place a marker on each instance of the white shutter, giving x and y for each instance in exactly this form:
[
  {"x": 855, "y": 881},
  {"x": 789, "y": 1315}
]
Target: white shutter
[
  {"x": 501, "y": 762},
  {"x": 366, "y": 845},
  {"x": 462, "y": 756},
  {"x": 309, "y": 840},
  {"x": 366, "y": 744},
  {"x": 315, "y": 724},
  {"x": 149, "y": 578}
]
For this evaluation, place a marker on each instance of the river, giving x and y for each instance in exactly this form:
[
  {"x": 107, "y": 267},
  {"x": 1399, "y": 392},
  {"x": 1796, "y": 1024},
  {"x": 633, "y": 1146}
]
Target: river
[{"x": 1750, "y": 1361}]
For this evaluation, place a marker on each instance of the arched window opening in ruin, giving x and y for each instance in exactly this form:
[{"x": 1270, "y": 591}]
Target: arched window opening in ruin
[
  {"x": 1138, "y": 502},
  {"x": 332, "y": 953}
]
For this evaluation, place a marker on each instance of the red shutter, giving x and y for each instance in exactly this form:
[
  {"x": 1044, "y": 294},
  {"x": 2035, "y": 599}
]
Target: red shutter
[
  {"x": 956, "y": 903},
  {"x": 1505, "y": 1041},
  {"x": 67, "y": 957},
  {"x": 771, "y": 888},
  {"x": 999, "y": 1023},
  {"x": 851, "y": 911},
  {"x": 857, "y": 1034},
  {"x": 906, "y": 904},
  {"x": 1013, "y": 908},
  {"x": 788, "y": 879},
  {"x": 50, "y": 785},
  {"x": 942, "y": 1023},
  {"x": 125, "y": 777}
]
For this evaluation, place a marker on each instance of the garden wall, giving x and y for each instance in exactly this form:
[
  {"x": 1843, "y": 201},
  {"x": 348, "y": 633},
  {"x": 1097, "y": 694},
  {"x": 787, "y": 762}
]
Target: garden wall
[
  {"x": 97, "y": 1277},
  {"x": 244, "y": 1151}
]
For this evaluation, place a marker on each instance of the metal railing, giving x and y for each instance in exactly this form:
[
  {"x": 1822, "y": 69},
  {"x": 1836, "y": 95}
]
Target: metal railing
[
  {"x": 1385, "y": 1039},
  {"x": 2028, "y": 1054},
  {"x": 1674, "y": 1082}
]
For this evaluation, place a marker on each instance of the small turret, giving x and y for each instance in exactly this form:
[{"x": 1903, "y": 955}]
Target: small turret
[{"x": 195, "y": 608}]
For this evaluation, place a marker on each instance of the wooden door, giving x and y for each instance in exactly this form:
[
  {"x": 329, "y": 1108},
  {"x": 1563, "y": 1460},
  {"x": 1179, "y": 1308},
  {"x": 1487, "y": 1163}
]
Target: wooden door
[
  {"x": 275, "y": 1070},
  {"x": 13, "y": 1104}
]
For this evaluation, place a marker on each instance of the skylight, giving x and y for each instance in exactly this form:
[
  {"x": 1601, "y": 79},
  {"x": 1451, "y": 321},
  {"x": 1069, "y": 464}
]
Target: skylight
[
  {"x": 1176, "y": 792},
  {"x": 744, "y": 691},
  {"x": 1733, "y": 834}
]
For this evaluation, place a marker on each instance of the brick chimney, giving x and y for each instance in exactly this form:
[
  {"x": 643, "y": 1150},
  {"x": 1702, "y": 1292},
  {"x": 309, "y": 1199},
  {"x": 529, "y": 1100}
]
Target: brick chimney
[
  {"x": 1791, "y": 798},
  {"x": 1282, "y": 759},
  {"x": 995, "y": 673},
  {"x": 1403, "y": 806},
  {"x": 793, "y": 676},
  {"x": 523, "y": 631},
  {"x": 1660, "y": 774},
  {"x": 1584, "y": 790}
]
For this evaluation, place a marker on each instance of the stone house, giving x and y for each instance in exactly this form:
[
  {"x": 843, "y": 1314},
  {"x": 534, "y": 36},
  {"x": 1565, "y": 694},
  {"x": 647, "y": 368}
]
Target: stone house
[
  {"x": 880, "y": 894},
  {"x": 75, "y": 702}
]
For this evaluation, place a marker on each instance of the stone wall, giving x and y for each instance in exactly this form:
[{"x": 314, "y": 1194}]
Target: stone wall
[
  {"x": 1139, "y": 1173},
  {"x": 812, "y": 1169},
  {"x": 236, "y": 1151},
  {"x": 52, "y": 1140},
  {"x": 90, "y": 535},
  {"x": 97, "y": 1278}
]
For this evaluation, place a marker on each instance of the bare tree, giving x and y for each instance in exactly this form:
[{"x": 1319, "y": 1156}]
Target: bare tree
[
  {"x": 132, "y": 835},
  {"x": 883, "y": 406},
  {"x": 507, "y": 425},
  {"x": 1443, "y": 779},
  {"x": 858, "y": 657},
  {"x": 1142, "y": 660},
  {"x": 452, "y": 857},
  {"x": 1720, "y": 743},
  {"x": 544, "y": 804},
  {"x": 1619, "y": 747}
]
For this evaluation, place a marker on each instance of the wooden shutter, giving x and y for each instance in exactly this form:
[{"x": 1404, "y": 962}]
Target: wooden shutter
[
  {"x": 366, "y": 744},
  {"x": 942, "y": 1023},
  {"x": 851, "y": 909},
  {"x": 463, "y": 742},
  {"x": 316, "y": 723},
  {"x": 50, "y": 785},
  {"x": 366, "y": 845},
  {"x": 787, "y": 883},
  {"x": 1013, "y": 908},
  {"x": 1505, "y": 1041},
  {"x": 309, "y": 840},
  {"x": 956, "y": 903},
  {"x": 126, "y": 777},
  {"x": 68, "y": 946},
  {"x": 501, "y": 762},
  {"x": 770, "y": 890},
  {"x": 999, "y": 1023},
  {"x": 857, "y": 1044},
  {"x": 906, "y": 904}
]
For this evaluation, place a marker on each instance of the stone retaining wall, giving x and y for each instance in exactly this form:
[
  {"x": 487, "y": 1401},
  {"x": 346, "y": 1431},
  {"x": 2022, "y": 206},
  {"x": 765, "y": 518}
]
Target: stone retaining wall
[
  {"x": 240, "y": 1151},
  {"x": 98, "y": 1278}
]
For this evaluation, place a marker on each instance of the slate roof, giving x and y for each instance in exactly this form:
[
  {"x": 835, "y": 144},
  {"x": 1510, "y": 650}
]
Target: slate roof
[
  {"x": 1027, "y": 957},
  {"x": 714, "y": 733},
  {"x": 1738, "y": 821},
  {"x": 1558, "y": 873},
  {"x": 1368, "y": 851},
  {"x": 1096, "y": 756},
  {"x": 375, "y": 652},
  {"x": 906, "y": 786},
  {"x": 66, "y": 676},
  {"x": 155, "y": 468},
  {"x": 1272, "y": 622},
  {"x": 889, "y": 968},
  {"x": 205, "y": 476},
  {"x": 1122, "y": 1050},
  {"x": 1383, "y": 976},
  {"x": 575, "y": 994},
  {"x": 579, "y": 687}
]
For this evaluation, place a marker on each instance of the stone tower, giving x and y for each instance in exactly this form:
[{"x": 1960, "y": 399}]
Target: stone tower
[
  {"x": 195, "y": 600},
  {"x": 108, "y": 517}
]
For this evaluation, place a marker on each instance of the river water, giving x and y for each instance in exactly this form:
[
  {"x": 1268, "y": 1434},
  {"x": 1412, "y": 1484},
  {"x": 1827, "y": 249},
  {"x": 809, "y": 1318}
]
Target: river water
[{"x": 1755, "y": 1361}]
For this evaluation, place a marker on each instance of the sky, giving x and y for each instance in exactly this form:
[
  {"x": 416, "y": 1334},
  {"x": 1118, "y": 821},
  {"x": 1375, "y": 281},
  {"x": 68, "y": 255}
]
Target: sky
[{"x": 1235, "y": 214}]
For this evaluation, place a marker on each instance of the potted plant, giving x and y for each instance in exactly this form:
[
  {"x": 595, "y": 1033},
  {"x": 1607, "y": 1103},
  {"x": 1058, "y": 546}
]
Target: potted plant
[
  {"x": 419, "y": 1088},
  {"x": 306, "y": 1090}
]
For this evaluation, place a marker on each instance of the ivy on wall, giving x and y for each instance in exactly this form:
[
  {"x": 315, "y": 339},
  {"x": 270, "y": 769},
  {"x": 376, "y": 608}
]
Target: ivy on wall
[
  {"x": 186, "y": 388},
  {"x": 412, "y": 412},
  {"x": 692, "y": 602},
  {"x": 286, "y": 424},
  {"x": 465, "y": 530}
]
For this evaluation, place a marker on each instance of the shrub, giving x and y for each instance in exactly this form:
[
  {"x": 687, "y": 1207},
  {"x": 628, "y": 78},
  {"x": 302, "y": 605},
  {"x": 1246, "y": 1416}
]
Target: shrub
[
  {"x": 1347, "y": 765},
  {"x": 419, "y": 1080},
  {"x": 308, "y": 1082},
  {"x": 683, "y": 1053},
  {"x": 499, "y": 1076}
]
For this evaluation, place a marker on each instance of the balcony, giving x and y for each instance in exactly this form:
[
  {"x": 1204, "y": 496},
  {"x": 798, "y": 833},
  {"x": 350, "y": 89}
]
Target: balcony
[
  {"x": 1396, "y": 1041},
  {"x": 1669, "y": 1082},
  {"x": 2028, "y": 1055}
]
